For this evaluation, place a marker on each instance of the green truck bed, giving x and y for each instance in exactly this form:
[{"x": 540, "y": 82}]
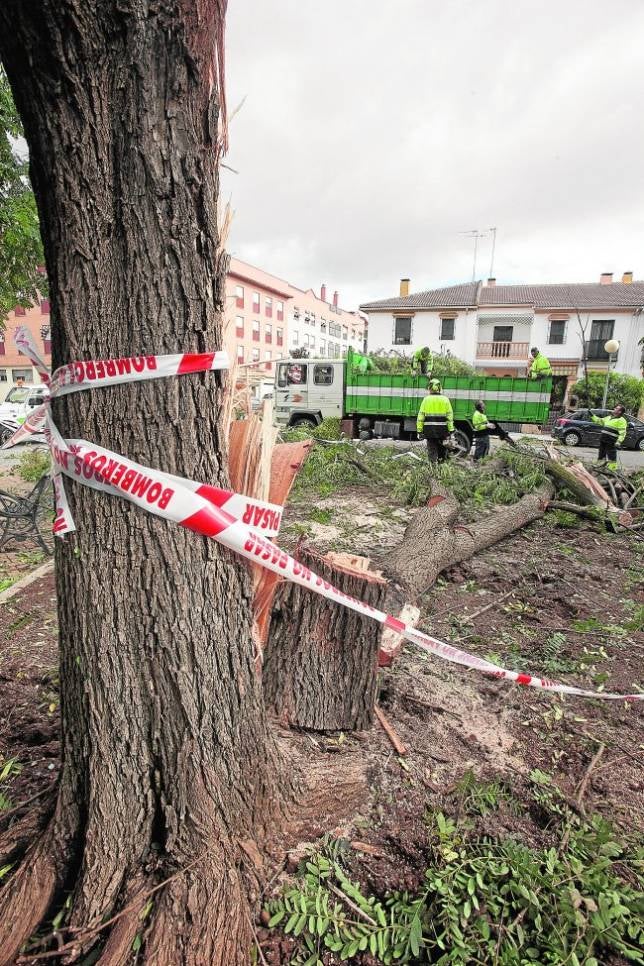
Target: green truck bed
[{"x": 506, "y": 398}]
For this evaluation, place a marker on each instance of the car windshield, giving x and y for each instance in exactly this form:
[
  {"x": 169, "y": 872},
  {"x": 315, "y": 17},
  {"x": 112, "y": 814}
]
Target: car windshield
[{"x": 18, "y": 394}]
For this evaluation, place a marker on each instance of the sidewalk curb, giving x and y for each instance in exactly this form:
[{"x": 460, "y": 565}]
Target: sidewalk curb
[{"x": 19, "y": 585}]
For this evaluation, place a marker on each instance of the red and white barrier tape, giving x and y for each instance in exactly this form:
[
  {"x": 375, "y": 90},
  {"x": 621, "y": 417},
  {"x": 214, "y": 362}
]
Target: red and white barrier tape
[{"x": 231, "y": 519}]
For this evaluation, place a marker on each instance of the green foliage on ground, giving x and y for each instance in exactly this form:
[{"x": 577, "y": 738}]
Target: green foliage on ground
[
  {"x": 33, "y": 464},
  {"x": 575, "y": 902},
  {"x": 627, "y": 390},
  {"x": 411, "y": 481},
  {"x": 21, "y": 249}
]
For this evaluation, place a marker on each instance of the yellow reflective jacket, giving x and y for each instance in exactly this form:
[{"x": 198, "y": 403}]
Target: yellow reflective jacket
[
  {"x": 436, "y": 411},
  {"x": 614, "y": 426},
  {"x": 480, "y": 422},
  {"x": 540, "y": 366}
]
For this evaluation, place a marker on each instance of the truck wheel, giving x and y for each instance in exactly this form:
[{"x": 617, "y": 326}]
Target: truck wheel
[{"x": 462, "y": 443}]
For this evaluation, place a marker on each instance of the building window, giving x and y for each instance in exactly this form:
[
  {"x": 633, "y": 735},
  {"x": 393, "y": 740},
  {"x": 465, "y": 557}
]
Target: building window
[
  {"x": 601, "y": 331},
  {"x": 255, "y": 331},
  {"x": 3, "y": 375},
  {"x": 322, "y": 347},
  {"x": 268, "y": 307},
  {"x": 44, "y": 307},
  {"x": 19, "y": 310},
  {"x": 240, "y": 353},
  {"x": 306, "y": 338},
  {"x": 256, "y": 302},
  {"x": 402, "y": 331},
  {"x": 26, "y": 374},
  {"x": 279, "y": 334},
  {"x": 268, "y": 334},
  {"x": 296, "y": 311},
  {"x": 447, "y": 329},
  {"x": 503, "y": 333},
  {"x": 557, "y": 334},
  {"x": 267, "y": 360},
  {"x": 239, "y": 296},
  {"x": 322, "y": 325},
  {"x": 239, "y": 326},
  {"x": 296, "y": 337},
  {"x": 255, "y": 355},
  {"x": 312, "y": 341},
  {"x": 2, "y": 346},
  {"x": 280, "y": 311}
]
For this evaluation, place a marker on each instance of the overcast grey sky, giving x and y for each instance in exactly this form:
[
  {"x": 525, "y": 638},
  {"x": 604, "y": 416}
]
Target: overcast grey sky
[{"x": 373, "y": 133}]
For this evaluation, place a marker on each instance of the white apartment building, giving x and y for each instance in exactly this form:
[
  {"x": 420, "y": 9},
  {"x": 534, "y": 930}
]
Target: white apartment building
[{"x": 493, "y": 327}]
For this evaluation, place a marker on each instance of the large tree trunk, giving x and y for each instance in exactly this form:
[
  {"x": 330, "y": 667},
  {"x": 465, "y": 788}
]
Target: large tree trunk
[
  {"x": 321, "y": 659},
  {"x": 166, "y": 756}
]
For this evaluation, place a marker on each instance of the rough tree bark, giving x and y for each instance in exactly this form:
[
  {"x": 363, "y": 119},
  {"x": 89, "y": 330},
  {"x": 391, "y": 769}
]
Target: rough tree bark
[
  {"x": 321, "y": 659},
  {"x": 432, "y": 542},
  {"x": 166, "y": 757}
]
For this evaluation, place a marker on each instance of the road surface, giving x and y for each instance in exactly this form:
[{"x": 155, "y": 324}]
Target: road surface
[{"x": 627, "y": 458}]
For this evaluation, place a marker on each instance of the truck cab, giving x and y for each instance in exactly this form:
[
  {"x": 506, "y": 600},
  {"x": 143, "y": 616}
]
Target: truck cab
[{"x": 308, "y": 390}]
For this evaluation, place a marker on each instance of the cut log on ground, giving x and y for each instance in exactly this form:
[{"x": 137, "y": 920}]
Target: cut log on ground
[
  {"x": 321, "y": 659},
  {"x": 431, "y": 543}
]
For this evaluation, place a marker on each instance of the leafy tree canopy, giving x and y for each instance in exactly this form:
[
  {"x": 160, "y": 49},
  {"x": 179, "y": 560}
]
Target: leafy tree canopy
[
  {"x": 627, "y": 390},
  {"x": 21, "y": 251}
]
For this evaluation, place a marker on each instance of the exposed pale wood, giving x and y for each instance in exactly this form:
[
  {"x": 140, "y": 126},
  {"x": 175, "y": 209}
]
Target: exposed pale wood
[{"x": 398, "y": 745}]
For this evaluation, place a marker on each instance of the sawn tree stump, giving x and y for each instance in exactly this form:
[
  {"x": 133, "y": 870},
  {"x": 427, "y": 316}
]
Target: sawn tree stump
[{"x": 321, "y": 659}]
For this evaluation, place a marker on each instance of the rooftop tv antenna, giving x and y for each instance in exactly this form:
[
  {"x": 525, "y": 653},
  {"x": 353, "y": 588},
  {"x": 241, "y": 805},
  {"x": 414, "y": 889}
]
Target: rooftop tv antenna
[{"x": 475, "y": 234}]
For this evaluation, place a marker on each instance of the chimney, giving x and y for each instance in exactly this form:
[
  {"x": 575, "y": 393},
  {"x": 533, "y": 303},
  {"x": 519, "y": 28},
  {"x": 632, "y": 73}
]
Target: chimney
[
  {"x": 606, "y": 278},
  {"x": 323, "y": 292},
  {"x": 491, "y": 282},
  {"x": 335, "y": 299},
  {"x": 404, "y": 287},
  {"x": 627, "y": 278}
]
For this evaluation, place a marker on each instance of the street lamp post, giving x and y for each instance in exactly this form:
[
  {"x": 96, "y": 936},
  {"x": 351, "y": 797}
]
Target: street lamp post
[{"x": 612, "y": 348}]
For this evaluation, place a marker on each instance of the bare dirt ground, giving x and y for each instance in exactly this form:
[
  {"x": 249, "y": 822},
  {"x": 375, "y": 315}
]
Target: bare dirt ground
[{"x": 566, "y": 603}]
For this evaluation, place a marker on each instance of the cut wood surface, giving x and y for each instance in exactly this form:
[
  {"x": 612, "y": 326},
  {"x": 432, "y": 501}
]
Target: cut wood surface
[{"x": 321, "y": 659}]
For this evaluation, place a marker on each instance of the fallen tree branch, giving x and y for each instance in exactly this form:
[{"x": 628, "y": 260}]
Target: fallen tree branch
[
  {"x": 389, "y": 731},
  {"x": 581, "y": 789}
]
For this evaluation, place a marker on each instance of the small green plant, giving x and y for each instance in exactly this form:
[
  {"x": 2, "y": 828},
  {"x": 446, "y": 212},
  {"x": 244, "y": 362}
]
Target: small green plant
[
  {"x": 33, "y": 464},
  {"x": 6, "y": 582},
  {"x": 481, "y": 901},
  {"x": 9, "y": 768},
  {"x": 482, "y": 797}
]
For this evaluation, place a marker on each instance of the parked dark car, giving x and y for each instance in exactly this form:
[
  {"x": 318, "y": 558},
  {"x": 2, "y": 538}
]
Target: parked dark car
[{"x": 578, "y": 429}]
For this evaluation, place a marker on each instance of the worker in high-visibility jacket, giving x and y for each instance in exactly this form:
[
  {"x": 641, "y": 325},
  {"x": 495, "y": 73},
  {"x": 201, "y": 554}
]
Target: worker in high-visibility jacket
[
  {"x": 362, "y": 364},
  {"x": 423, "y": 361},
  {"x": 613, "y": 433},
  {"x": 540, "y": 367},
  {"x": 435, "y": 421},
  {"x": 481, "y": 427}
]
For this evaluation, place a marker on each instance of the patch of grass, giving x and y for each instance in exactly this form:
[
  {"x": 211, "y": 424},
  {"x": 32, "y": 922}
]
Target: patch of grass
[
  {"x": 33, "y": 464},
  {"x": 318, "y": 515},
  {"x": 6, "y": 583}
]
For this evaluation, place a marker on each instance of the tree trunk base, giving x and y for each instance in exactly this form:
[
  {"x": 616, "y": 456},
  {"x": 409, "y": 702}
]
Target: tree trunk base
[{"x": 321, "y": 659}]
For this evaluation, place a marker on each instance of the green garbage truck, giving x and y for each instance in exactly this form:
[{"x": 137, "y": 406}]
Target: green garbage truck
[{"x": 385, "y": 404}]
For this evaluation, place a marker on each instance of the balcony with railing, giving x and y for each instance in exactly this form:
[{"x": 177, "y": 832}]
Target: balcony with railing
[{"x": 514, "y": 351}]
